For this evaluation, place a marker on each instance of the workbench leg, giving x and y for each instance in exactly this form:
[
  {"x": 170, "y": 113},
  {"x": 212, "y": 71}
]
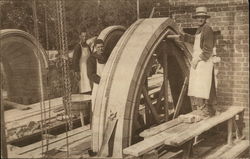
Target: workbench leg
[
  {"x": 240, "y": 123},
  {"x": 151, "y": 155},
  {"x": 230, "y": 131},
  {"x": 187, "y": 149},
  {"x": 4, "y": 150}
]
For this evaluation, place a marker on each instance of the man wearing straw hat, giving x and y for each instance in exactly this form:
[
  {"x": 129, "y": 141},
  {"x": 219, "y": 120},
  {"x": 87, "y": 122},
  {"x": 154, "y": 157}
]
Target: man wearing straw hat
[{"x": 201, "y": 81}]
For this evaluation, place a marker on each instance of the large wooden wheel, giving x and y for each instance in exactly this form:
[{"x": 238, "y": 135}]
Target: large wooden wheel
[
  {"x": 22, "y": 55},
  {"x": 110, "y": 36},
  {"x": 125, "y": 84}
]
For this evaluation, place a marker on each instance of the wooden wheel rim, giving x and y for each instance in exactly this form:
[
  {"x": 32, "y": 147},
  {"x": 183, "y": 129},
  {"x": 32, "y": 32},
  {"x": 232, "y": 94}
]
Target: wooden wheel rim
[{"x": 121, "y": 79}]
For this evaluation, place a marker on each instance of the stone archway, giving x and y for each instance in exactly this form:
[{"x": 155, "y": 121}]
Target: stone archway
[{"x": 24, "y": 64}]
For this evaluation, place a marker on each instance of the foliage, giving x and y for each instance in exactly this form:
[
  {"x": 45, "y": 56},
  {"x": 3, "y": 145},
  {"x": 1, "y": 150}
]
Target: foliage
[
  {"x": 18, "y": 14},
  {"x": 95, "y": 15}
]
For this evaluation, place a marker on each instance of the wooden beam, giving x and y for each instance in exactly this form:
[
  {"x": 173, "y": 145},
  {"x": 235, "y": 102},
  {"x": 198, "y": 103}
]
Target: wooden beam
[
  {"x": 227, "y": 151},
  {"x": 181, "y": 97},
  {"x": 180, "y": 134},
  {"x": 176, "y": 52},
  {"x": 4, "y": 151},
  {"x": 33, "y": 114},
  {"x": 138, "y": 9},
  {"x": 157, "y": 129},
  {"x": 159, "y": 99},
  {"x": 154, "y": 141},
  {"x": 150, "y": 105},
  {"x": 165, "y": 79},
  {"x": 197, "y": 128},
  {"x": 187, "y": 149},
  {"x": 237, "y": 131},
  {"x": 57, "y": 143},
  {"x": 37, "y": 132},
  {"x": 15, "y": 105},
  {"x": 236, "y": 150},
  {"x": 230, "y": 131},
  {"x": 104, "y": 151}
]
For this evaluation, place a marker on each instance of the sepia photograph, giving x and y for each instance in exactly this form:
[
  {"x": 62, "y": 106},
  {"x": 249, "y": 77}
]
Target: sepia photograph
[{"x": 124, "y": 79}]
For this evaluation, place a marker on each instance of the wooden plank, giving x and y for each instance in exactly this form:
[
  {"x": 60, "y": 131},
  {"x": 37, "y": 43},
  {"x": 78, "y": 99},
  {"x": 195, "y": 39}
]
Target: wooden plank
[
  {"x": 154, "y": 136},
  {"x": 153, "y": 142},
  {"x": 227, "y": 151},
  {"x": 104, "y": 151},
  {"x": 38, "y": 145},
  {"x": 236, "y": 150},
  {"x": 157, "y": 129},
  {"x": 61, "y": 144},
  {"x": 203, "y": 147},
  {"x": 35, "y": 115},
  {"x": 35, "y": 108},
  {"x": 77, "y": 149},
  {"x": 177, "y": 154},
  {"x": 202, "y": 126},
  {"x": 15, "y": 105},
  {"x": 37, "y": 132}
]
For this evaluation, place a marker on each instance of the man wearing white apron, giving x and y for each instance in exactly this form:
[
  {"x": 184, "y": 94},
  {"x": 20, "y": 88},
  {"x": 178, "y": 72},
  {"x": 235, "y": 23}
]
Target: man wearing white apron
[
  {"x": 95, "y": 65},
  {"x": 201, "y": 78},
  {"x": 79, "y": 63}
]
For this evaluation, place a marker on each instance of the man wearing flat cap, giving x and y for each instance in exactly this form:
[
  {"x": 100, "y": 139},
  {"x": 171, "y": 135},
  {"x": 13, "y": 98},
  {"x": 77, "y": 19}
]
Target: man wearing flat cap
[{"x": 201, "y": 81}]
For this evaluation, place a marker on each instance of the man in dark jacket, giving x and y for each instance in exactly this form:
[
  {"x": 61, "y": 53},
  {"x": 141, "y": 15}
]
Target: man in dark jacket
[
  {"x": 95, "y": 60},
  {"x": 95, "y": 65},
  {"x": 201, "y": 80},
  {"x": 79, "y": 63}
]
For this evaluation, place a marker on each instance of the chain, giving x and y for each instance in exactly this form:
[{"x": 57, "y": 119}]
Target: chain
[
  {"x": 63, "y": 46},
  {"x": 68, "y": 88}
]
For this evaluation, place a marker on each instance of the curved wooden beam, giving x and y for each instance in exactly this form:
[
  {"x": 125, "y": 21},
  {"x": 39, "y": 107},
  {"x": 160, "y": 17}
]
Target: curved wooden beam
[
  {"x": 122, "y": 76},
  {"x": 15, "y": 33}
]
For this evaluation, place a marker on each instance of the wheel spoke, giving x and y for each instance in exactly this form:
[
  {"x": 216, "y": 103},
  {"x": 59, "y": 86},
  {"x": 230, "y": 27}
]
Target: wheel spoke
[
  {"x": 159, "y": 99},
  {"x": 165, "y": 83},
  {"x": 149, "y": 104}
]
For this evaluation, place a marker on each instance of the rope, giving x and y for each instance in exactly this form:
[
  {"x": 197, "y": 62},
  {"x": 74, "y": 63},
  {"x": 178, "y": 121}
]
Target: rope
[
  {"x": 44, "y": 128},
  {"x": 36, "y": 32},
  {"x": 48, "y": 90}
]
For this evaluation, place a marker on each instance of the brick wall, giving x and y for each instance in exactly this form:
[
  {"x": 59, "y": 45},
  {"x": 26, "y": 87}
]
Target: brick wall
[{"x": 231, "y": 18}]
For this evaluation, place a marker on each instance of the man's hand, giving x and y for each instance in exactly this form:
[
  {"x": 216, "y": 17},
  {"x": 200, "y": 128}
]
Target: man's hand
[
  {"x": 195, "y": 62},
  {"x": 77, "y": 76},
  {"x": 181, "y": 33},
  {"x": 181, "y": 38}
]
